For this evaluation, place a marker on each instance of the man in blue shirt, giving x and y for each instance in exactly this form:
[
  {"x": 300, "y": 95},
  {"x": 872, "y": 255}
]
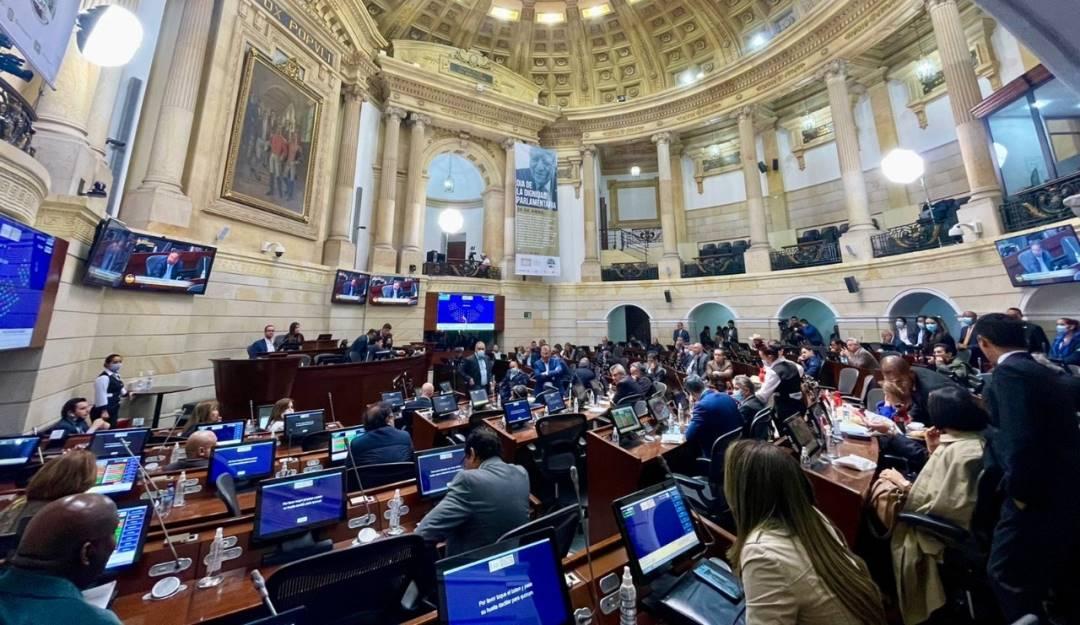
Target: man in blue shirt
[
  {"x": 381, "y": 442},
  {"x": 62, "y": 551},
  {"x": 811, "y": 362},
  {"x": 810, "y": 333},
  {"x": 714, "y": 414}
]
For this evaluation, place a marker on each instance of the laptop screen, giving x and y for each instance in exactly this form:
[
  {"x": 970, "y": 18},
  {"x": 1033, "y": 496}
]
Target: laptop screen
[
  {"x": 517, "y": 411},
  {"x": 656, "y": 527},
  {"x": 444, "y": 404},
  {"x": 226, "y": 431},
  {"x": 395, "y": 399}
]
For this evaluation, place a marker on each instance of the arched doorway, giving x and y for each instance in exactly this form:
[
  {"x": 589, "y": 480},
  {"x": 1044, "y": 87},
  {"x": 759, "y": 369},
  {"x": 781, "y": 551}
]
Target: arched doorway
[
  {"x": 454, "y": 186},
  {"x": 911, "y": 304},
  {"x": 711, "y": 314},
  {"x": 818, "y": 312},
  {"x": 625, "y": 321}
]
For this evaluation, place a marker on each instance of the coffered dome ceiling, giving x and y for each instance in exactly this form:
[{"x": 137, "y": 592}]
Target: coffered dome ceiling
[{"x": 588, "y": 52}]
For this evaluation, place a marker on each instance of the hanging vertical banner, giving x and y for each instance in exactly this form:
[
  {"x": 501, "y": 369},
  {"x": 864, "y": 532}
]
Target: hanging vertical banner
[
  {"x": 536, "y": 215},
  {"x": 40, "y": 29}
]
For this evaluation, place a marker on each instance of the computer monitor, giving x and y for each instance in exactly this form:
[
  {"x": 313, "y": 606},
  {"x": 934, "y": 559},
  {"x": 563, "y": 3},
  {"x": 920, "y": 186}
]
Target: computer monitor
[
  {"x": 116, "y": 475},
  {"x": 130, "y": 536},
  {"x": 518, "y": 580},
  {"x": 263, "y": 414},
  {"x": 658, "y": 408},
  {"x": 247, "y": 462},
  {"x": 802, "y": 436},
  {"x": 478, "y": 397},
  {"x": 300, "y": 424},
  {"x": 15, "y": 450},
  {"x": 656, "y": 528},
  {"x": 554, "y": 401},
  {"x": 445, "y": 387},
  {"x": 340, "y": 441},
  {"x": 626, "y": 420},
  {"x": 436, "y": 467},
  {"x": 517, "y": 412},
  {"x": 443, "y": 405},
  {"x": 395, "y": 399},
  {"x": 226, "y": 431},
  {"x": 290, "y": 507},
  {"x": 110, "y": 443}
]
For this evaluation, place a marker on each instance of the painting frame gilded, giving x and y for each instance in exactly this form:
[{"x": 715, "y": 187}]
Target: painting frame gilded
[{"x": 248, "y": 158}]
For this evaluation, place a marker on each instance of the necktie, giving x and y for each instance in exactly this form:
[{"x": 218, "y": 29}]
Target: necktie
[{"x": 483, "y": 370}]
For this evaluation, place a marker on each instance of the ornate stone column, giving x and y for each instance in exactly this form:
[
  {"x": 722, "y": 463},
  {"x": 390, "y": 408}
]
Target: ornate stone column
[
  {"x": 757, "y": 257},
  {"x": 857, "y": 239},
  {"x": 101, "y": 109},
  {"x": 493, "y": 223},
  {"x": 590, "y": 268},
  {"x": 339, "y": 249},
  {"x": 885, "y": 125},
  {"x": 670, "y": 265},
  {"x": 416, "y": 204},
  {"x": 509, "y": 209},
  {"x": 61, "y": 130},
  {"x": 384, "y": 258},
  {"x": 776, "y": 202},
  {"x": 679, "y": 193},
  {"x": 963, "y": 87},
  {"x": 160, "y": 198}
]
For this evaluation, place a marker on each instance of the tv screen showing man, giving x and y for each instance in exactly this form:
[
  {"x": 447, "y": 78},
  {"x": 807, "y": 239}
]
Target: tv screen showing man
[
  {"x": 394, "y": 290},
  {"x": 121, "y": 258},
  {"x": 350, "y": 287},
  {"x": 1050, "y": 256}
]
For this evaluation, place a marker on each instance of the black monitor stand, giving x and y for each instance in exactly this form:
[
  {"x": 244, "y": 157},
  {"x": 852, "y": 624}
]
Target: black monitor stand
[
  {"x": 297, "y": 548},
  {"x": 630, "y": 441}
]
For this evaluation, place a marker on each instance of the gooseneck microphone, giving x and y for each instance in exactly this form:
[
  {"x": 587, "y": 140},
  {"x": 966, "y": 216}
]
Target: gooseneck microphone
[
  {"x": 584, "y": 615},
  {"x": 179, "y": 564},
  {"x": 369, "y": 517},
  {"x": 260, "y": 587}
]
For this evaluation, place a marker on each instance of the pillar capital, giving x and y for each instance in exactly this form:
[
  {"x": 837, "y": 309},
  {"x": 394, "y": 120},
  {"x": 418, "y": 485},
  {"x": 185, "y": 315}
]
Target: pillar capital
[
  {"x": 419, "y": 120},
  {"x": 837, "y": 69},
  {"x": 746, "y": 112},
  {"x": 661, "y": 138},
  {"x": 588, "y": 150},
  {"x": 395, "y": 113},
  {"x": 508, "y": 144},
  {"x": 352, "y": 92},
  {"x": 933, "y": 4}
]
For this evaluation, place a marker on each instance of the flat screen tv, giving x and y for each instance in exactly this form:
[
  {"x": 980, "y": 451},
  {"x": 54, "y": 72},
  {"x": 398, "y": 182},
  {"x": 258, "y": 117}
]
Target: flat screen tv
[
  {"x": 123, "y": 259},
  {"x": 350, "y": 287},
  {"x": 1050, "y": 256},
  {"x": 30, "y": 264},
  {"x": 465, "y": 312},
  {"x": 393, "y": 291}
]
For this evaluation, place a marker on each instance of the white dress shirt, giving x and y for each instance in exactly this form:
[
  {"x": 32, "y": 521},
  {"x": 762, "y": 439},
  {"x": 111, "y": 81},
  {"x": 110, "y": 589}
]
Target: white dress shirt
[
  {"x": 772, "y": 380},
  {"x": 269, "y": 344},
  {"x": 101, "y": 388}
]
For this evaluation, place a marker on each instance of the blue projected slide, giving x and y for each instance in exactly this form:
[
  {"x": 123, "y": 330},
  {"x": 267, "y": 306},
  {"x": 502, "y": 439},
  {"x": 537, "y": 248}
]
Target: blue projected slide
[
  {"x": 437, "y": 468},
  {"x": 244, "y": 462},
  {"x": 465, "y": 312},
  {"x": 519, "y": 586},
  {"x": 25, "y": 255},
  {"x": 659, "y": 529},
  {"x": 129, "y": 536},
  {"x": 297, "y": 504}
]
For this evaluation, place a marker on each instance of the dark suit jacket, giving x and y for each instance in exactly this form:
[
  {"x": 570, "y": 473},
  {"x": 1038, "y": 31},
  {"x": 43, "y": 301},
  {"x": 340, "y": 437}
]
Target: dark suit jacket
[
  {"x": 584, "y": 376},
  {"x": 646, "y": 386},
  {"x": 812, "y": 367},
  {"x": 1036, "y": 338},
  {"x": 749, "y": 409},
  {"x": 700, "y": 362},
  {"x": 383, "y": 445},
  {"x": 470, "y": 368},
  {"x": 925, "y": 382},
  {"x": 1031, "y": 264},
  {"x": 155, "y": 267},
  {"x": 256, "y": 348},
  {"x": 680, "y": 334},
  {"x": 625, "y": 388},
  {"x": 714, "y": 414},
  {"x": 731, "y": 335},
  {"x": 358, "y": 351},
  {"x": 1034, "y": 441},
  {"x": 812, "y": 335}
]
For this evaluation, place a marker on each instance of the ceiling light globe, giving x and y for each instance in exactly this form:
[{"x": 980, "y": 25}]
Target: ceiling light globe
[{"x": 903, "y": 166}]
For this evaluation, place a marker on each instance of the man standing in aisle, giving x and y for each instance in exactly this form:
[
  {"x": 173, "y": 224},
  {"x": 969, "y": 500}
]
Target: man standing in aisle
[{"x": 680, "y": 333}]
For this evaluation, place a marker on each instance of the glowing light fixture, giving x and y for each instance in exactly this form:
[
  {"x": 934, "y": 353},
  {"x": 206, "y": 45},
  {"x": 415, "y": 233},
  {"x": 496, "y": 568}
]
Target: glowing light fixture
[
  {"x": 551, "y": 18},
  {"x": 903, "y": 166},
  {"x": 503, "y": 13},
  {"x": 448, "y": 183},
  {"x": 451, "y": 221},
  {"x": 714, "y": 151},
  {"x": 635, "y": 171},
  {"x": 598, "y": 10},
  {"x": 109, "y": 35},
  {"x": 758, "y": 41}
]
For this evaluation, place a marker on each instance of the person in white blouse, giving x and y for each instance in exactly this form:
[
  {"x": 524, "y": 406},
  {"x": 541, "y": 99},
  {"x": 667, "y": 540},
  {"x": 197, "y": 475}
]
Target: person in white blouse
[{"x": 108, "y": 390}]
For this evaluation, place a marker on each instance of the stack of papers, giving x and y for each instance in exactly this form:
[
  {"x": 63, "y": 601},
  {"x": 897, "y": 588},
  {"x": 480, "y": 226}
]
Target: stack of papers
[{"x": 855, "y": 462}]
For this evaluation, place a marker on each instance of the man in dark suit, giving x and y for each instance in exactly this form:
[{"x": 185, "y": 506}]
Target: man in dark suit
[
  {"x": 731, "y": 335},
  {"x": 644, "y": 383},
  {"x": 1034, "y": 336},
  {"x": 358, "y": 351},
  {"x": 624, "y": 384},
  {"x": 263, "y": 345},
  {"x": 486, "y": 500},
  {"x": 514, "y": 377},
  {"x": 921, "y": 382},
  {"x": 381, "y": 442},
  {"x": 714, "y": 414},
  {"x": 1035, "y": 444},
  {"x": 749, "y": 404},
  {"x": 680, "y": 333},
  {"x": 584, "y": 374},
  {"x": 477, "y": 368},
  {"x": 166, "y": 267},
  {"x": 1035, "y": 259},
  {"x": 548, "y": 369},
  {"x": 698, "y": 362}
]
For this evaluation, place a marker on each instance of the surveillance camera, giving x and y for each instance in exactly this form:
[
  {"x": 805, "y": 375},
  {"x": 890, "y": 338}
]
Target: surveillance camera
[
  {"x": 279, "y": 250},
  {"x": 272, "y": 246},
  {"x": 1073, "y": 202},
  {"x": 956, "y": 231}
]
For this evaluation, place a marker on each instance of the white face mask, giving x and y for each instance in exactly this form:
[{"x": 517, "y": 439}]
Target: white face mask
[{"x": 900, "y": 324}]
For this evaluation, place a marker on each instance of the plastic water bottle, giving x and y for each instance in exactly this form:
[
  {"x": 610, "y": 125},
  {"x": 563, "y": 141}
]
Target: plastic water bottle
[
  {"x": 627, "y": 599},
  {"x": 165, "y": 500},
  {"x": 213, "y": 561},
  {"x": 249, "y": 427},
  {"x": 178, "y": 453},
  {"x": 178, "y": 498},
  {"x": 804, "y": 457}
]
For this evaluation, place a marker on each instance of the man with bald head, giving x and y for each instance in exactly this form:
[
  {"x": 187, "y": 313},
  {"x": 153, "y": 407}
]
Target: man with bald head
[
  {"x": 920, "y": 381},
  {"x": 198, "y": 447},
  {"x": 63, "y": 550}
]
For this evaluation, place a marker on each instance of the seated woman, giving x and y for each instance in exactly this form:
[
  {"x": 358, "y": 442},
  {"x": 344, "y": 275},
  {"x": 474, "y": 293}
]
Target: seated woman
[
  {"x": 946, "y": 488},
  {"x": 293, "y": 340},
  {"x": 1066, "y": 345},
  {"x": 205, "y": 412},
  {"x": 795, "y": 567},
  {"x": 282, "y": 407},
  {"x": 70, "y": 474}
]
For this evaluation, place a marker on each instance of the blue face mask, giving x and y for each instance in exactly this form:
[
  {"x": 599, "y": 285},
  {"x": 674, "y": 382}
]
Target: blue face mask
[
  {"x": 737, "y": 396},
  {"x": 1061, "y": 329},
  {"x": 115, "y": 367},
  {"x": 966, "y": 321},
  {"x": 931, "y": 327}
]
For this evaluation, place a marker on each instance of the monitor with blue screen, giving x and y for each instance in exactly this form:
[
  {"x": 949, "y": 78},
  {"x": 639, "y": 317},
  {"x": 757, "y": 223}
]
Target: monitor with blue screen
[
  {"x": 110, "y": 443},
  {"x": 478, "y": 397},
  {"x": 300, "y": 424},
  {"x": 656, "y": 528},
  {"x": 340, "y": 440},
  {"x": 116, "y": 475},
  {"x": 226, "y": 431},
  {"x": 395, "y": 399},
  {"x": 435, "y": 468},
  {"x": 295, "y": 505},
  {"x": 246, "y": 462},
  {"x": 130, "y": 535},
  {"x": 465, "y": 312},
  {"x": 554, "y": 402},
  {"x": 30, "y": 264},
  {"x": 16, "y": 450},
  {"x": 444, "y": 405},
  {"x": 517, "y": 412},
  {"x": 519, "y": 581}
]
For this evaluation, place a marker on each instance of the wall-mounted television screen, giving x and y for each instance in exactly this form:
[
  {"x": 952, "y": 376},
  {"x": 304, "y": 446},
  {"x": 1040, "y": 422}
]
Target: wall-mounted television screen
[
  {"x": 393, "y": 290},
  {"x": 123, "y": 259},
  {"x": 465, "y": 312},
  {"x": 30, "y": 264},
  {"x": 350, "y": 287},
  {"x": 1050, "y": 256}
]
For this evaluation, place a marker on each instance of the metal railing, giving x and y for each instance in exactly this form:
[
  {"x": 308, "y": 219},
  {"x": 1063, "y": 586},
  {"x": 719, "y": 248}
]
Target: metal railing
[
  {"x": 620, "y": 272},
  {"x": 1040, "y": 205},
  {"x": 462, "y": 268},
  {"x": 805, "y": 255},
  {"x": 721, "y": 265},
  {"x": 921, "y": 235},
  {"x": 17, "y": 119},
  {"x": 635, "y": 242}
]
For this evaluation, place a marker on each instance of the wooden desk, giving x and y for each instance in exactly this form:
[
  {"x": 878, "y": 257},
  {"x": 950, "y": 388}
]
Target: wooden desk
[
  {"x": 842, "y": 493},
  {"x": 513, "y": 442},
  {"x": 159, "y": 392}
]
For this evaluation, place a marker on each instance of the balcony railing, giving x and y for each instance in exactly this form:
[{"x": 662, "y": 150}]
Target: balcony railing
[
  {"x": 726, "y": 265},
  {"x": 635, "y": 242},
  {"x": 463, "y": 269},
  {"x": 620, "y": 272},
  {"x": 17, "y": 119},
  {"x": 1040, "y": 205},
  {"x": 921, "y": 235},
  {"x": 805, "y": 255}
]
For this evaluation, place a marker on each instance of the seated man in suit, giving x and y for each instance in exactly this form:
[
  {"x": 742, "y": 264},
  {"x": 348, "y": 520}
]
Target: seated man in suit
[
  {"x": 810, "y": 361},
  {"x": 75, "y": 418},
  {"x": 265, "y": 345},
  {"x": 476, "y": 369},
  {"x": 1035, "y": 259},
  {"x": 715, "y": 413},
  {"x": 198, "y": 447},
  {"x": 919, "y": 381},
  {"x": 698, "y": 362},
  {"x": 749, "y": 403},
  {"x": 644, "y": 383},
  {"x": 381, "y": 442},
  {"x": 584, "y": 374},
  {"x": 654, "y": 369},
  {"x": 624, "y": 384},
  {"x": 423, "y": 400},
  {"x": 514, "y": 377},
  {"x": 166, "y": 267},
  {"x": 376, "y": 351},
  {"x": 486, "y": 500}
]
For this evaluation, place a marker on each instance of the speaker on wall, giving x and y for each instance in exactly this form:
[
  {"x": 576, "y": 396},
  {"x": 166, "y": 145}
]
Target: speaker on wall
[
  {"x": 667, "y": 296},
  {"x": 851, "y": 284},
  {"x": 776, "y": 164}
]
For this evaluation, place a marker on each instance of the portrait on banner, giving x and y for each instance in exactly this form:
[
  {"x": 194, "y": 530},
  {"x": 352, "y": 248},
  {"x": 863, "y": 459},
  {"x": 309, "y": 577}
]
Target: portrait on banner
[{"x": 536, "y": 201}]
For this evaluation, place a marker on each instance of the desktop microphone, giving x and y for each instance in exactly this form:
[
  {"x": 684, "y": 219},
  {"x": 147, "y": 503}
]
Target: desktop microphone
[
  {"x": 584, "y": 615},
  {"x": 330, "y": 399},
  {"x": 179, "y": 564},
  {"x": 41, "y": 456},
  {"x": 369, "y": 517},
  {"x": 260, "y": 587}
]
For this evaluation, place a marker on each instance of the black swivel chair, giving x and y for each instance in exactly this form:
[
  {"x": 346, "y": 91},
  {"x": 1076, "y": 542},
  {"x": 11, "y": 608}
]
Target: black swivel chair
[
  {"x": 225, "y": 487},
  {"x": 375, "y": 475},
  {"x": 706, "y": 493},
  {"x": 760, "y": 428},
  {"x": 329, "y": 359},
  {"x": 630, "y": 400},
  {"x": 557, "y": 446},
  {"x": 724, "y": 248},
  {"x": 326, "y": 584},
  {"x": 709, "y": 249},
  {"x": 564, "y": 521},
  {"x": 476, "y": 419}
]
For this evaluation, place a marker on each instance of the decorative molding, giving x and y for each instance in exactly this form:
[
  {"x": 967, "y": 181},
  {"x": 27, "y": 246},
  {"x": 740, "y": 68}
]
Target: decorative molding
[
  {"x": 613, "y": 187},
  {"x": 24, "y": 182}
]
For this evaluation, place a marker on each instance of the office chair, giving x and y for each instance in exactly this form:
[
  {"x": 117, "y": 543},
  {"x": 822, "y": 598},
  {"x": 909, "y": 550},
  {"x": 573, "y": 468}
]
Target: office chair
[
  {"x": 386, "y": 569},
  {"x": 557, "y": 446},
  {"x": 564, "y": 521},
  {"x": 225, "y": 487},
  {"x": 706, "y": 493},
  {"x": 329, "y": 359},
  {"x": 659, "y": 389},
  {"x": 760, "y": 428},
  {"x": 316, "y": 441},
  {"x": 630, "y": 400},
  {"x": 873, "y": 397},
  {"x": 305, "y": 360},
  {"x": 846, "y": 381},
  {"x": 375, "y": 475}
]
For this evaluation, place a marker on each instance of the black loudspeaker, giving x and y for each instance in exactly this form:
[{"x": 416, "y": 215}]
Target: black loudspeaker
[
  {"x": 851, "y": 284},
  {"x": 667, "y": 296},
  {"x": 762, "y": 167},
  {"x": 776, "y": 164}
]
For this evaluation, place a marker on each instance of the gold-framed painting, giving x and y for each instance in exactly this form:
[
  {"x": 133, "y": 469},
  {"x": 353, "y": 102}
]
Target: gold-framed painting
[{"x": 274, "y": 139}]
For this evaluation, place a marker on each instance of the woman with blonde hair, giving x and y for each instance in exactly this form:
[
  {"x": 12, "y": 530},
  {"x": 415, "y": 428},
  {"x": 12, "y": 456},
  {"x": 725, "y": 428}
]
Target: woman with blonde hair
[
  {"x": 70, "y": 474},
  {"x": 205, "y": 412},
  {"x": 795, "y": 567}
]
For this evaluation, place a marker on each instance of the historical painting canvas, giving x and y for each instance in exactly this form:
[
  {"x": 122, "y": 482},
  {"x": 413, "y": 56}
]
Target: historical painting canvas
[{"x": 273, "y": 140}]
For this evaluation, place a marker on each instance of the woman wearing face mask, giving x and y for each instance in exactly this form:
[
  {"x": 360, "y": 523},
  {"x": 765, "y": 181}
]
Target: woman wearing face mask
[
  {"x": 1066, "y": 346},
  {"x": 902, "y": 338},
  {"x": 108, "y": 389},
  {"x": 938, "y": 333}
]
